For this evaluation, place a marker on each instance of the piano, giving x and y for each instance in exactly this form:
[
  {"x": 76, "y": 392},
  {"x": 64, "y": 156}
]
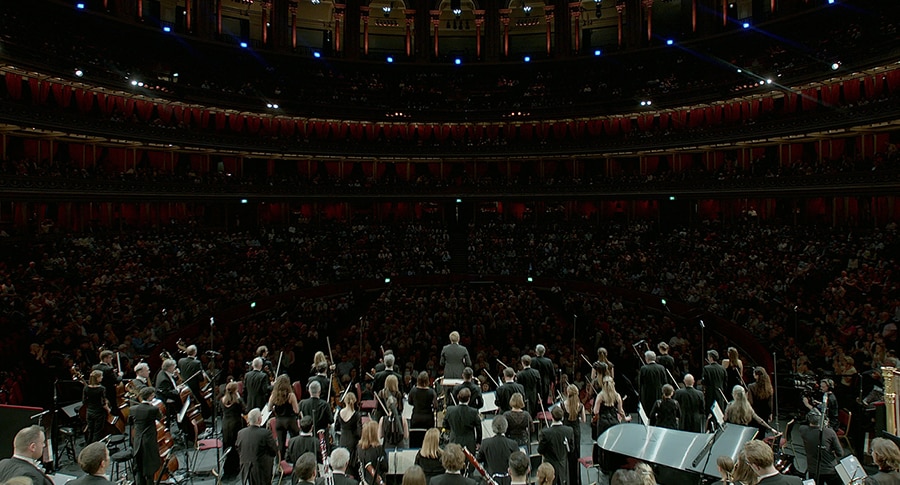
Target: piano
[{"x": 674, "y": 449}]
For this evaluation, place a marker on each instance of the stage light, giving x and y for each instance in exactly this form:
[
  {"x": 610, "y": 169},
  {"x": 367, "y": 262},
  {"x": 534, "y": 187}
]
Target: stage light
[
  {"x": 597, "y": 53},
  {"x": 387, "y": 280},
  {"x": 243, "y": 45},
  {"x": 79, "y": 6},
  {"x": 457, "y": 61},
  {"x": 274, "y": 106},
  {"x": 167, "y": 29},
  {"x": 134, "y": 83},
  {"x": 670, "y": 42},
  {"x": 530, "y": 279},
  {"x": 768, "y": 81},
  {"x": 663, "y": 301},
  {"x": 79, "y": 72},
  {"x": 830, "y": 2},
  {"x": 243, "y": 201},
  {"x": 835, "y": 66},
  {"x": 746, "y": 25},
  {"x": 459, "y": 201},
  {"x": 390, "y": 59},
  {"x": 268, "y": 105},
  {"x": 740, "y": 71},
  {"x": 252, "y": 304},
  {"x": 671, "y": 197},
  {"x": 527, "y": 59},
  {"x": 317, "y": 54}
]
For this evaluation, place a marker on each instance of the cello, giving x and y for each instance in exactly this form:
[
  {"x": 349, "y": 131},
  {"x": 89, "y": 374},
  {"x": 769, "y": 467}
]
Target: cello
[{"x": 113, "y": 425}]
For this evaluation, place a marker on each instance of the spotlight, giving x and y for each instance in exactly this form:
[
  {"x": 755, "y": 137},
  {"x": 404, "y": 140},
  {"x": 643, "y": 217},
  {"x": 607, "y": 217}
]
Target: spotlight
[
  {"x": 243, "y": 45},
  {"x": 252, "y": 304},
  {"x": 768, "y": 81},
  {"x": 671, "y": 197},
  {"x": 79, "y": 72},
  {"x": 390, "y": 59},
  {"x": 643, "y": 103},
  {"x": 243, "y": 201},
  {"x": 830, "y": 2},
  {"x": 663, "y": 301},
  {"x": 134, "y": 83},
  {"x": 274, "y": 106},
  {"x": 761, "y": 83},
  {"x": 317, "y": 54},
  {"x": 459, "y": 201},
  {"x": 268, "y": 105},
  {"x": 140, "y": 84},
  {"x": 670, "y": 42},
  {"x": 387, "y": 280},
  {"x": 835, "y": 66},
  {"x": 79, "y": 6},
  {"x": 530, "y": 279},
  {"x": 527, "y": 9},
  {"x": 527, "y": 59},
  {"x": 457, "y": 61},
  {"x": 740, "y": 71},
  {"x": 175, "y": 74},
  {"x": 746, "y": 25},
  {"x": 167, "y": 29},
  {"x": 597, "y": 53}
]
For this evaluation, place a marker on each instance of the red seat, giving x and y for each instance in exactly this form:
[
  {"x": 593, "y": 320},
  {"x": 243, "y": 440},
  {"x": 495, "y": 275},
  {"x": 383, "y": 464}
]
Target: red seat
[
  {"x": 286, "y": 469},
  {"x": 298, "y": 390},
  {"x": 368, "y": 405}
]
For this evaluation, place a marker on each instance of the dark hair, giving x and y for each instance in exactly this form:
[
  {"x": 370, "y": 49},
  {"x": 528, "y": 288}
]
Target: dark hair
[
  {"x": 519, "y": 463},
  {"x": 305, "y": 468},
  {"x": 422, "y": 380},
  {"x": 91, "y": 457}
]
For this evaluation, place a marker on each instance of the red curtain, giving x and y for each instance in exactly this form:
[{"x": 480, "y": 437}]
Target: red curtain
[
  {"x": 62, "y": 94},
  {"x": 810, "y": 99},
  {"x": 84, "y": 100},
  {"x": 790, "y": 102},
  {"x": 14, "y": 85},
  {"x": 893, "y": 80},
  {"x": 851, "y": 90},
  {"x": 164, "y": 111},
  {"x": 288, "y": 125},
  {"x": 40, "y": 90}
]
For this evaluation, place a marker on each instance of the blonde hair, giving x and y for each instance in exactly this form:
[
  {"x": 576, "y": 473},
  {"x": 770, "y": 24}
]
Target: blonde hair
[
  {"x": 739, "y": 411},
  {"x": 95, "y": 378},
  {"x": 350, "y": 400},
  {"x": 391, "y": 384},
  {"x": 886, "y": 454},
  {"x": 231, "y": 394},
  {"x": 517, "y": 401},
  {"x": 319, "y": 358},
  {"x": 645, "y": 474},
  {"x": 608, "y": 394},
  {"x": 572, "y": 402},
  {"x": 431, "y": 445},
  {"x": 726, "y": 464},
  {"x": 369, "y": 436},
  {"x": 545, "y": 474}
]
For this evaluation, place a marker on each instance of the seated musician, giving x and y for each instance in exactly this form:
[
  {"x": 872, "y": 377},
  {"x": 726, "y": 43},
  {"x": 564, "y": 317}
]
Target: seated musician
[{"x": 142, "y": 377}]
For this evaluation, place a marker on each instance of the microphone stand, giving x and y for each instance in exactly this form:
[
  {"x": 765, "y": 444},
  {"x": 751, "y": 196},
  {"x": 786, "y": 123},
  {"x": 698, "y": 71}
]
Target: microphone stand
[
  {"x": 821, "y": 436},
  {"x": 215, "y": 400}
]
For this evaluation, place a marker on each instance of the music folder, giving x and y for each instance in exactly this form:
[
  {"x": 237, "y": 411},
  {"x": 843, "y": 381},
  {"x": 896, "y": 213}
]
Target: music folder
[{"x": 850, "y": 470}]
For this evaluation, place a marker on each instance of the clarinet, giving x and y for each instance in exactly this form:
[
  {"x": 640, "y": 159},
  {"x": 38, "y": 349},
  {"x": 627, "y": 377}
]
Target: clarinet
[
  {"x": 478, "y": 466},
  {"x": 323, "y": 452},
  {"x": 370, "y": 469}
]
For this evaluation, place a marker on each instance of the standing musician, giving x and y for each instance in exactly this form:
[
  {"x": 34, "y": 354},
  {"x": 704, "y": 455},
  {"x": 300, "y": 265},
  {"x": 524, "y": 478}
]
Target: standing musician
[
  {"x": 167, "y": 390},
  {"x": 454, "y": 461},
  {"x": 664, "y": 359},
  {"x": 257, "y": 385},
  {"x": 555, "y": 445},
  {"x": 496, "y": 450},
  {"x": 146, "y": 447},
  {"x": 544, "y": 366},
  {"x": 339, "y": 460},
  {"x": 263, "y": 353},
  {"x": 28, "y": 447},
  {"x": 476, "y": 401},
  {"x": 304, "y": 470},
  {"x": 284, "y": 406},
  {"x": 93, "y": 398},
  {"x": 519, "y": 468},
  {"x": 650, "y": 381},
  {"x": 110, "y": 378},
  {"x": 93, "y": 460},
  {"x": 317, "y": 408},
  {"x": 691, "y": 401},
  {"x": 531, "y": 381},
  {"x": 454, "y": 358},
  {"x": 321, "y": 375},
  {"x": 192, "y": 371},
  {"x": 507, "y": 389},
  {"x": 257, "y": 450},
  {"x": 713, "y": 382},
  {"x": 382, "y": 375},
  {"x": 464, "y": 422},
  {"x": 142, "y": 377},
  {"x": 831, "y": 403}
]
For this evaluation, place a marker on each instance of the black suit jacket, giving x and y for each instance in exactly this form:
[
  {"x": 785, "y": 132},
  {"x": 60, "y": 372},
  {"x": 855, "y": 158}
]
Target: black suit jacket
[
  {"x": 338, "y": 479},
  {"x": 451, "y": 479},
  {"x": 257, "y": 450},
  {"x": 494, "y": 453},
  {"x": 530, "y": 379},
  {"x": 257, "y": 387},
  {"x": 110, "y": 380},
  {"x": 545, "y": 368},
  {"x": 14, "y": 467},
  {"x": 713, "y": 386},
  {"x": 165, "y": 390},
  {"x": 146, "y": 447},
  {"x": 693, "y": 417},
  {"x": 476, "y": 401},
  {"x": 191, "y": 368},
  {"x": 650, "y": 381},
  {"x": 555, "y": 445},
  {"x": 505, "y": 391},
  {"x": 90, "y": 480},
  {"x": 381, "y": 376},
  {"x": 319, "y": 410},
  {"x": 465, "y": 426},
  {"x": 455, "y": 358},
  {"x": 298, "y": 445}
]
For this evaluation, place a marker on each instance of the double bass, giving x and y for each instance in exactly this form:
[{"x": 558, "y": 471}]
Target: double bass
[
  {"x": 190, "y": 419},
  {"x": 114, "y": 425}
]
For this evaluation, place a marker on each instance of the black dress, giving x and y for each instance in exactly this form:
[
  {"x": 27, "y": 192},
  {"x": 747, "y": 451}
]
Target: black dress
[
  {"x": 350, "y": 432},
  {"x": 431, "y": 466},
  {"x": 377, "y": 457},
  {"x": 607, "y": 417},
  {"x": 665, "y": 414},
  {"x": 762, "y": 407},
  {"x": 422, "y": 401},
  {"x": 92, "y": 399},
  {"x": 575, "y": 424},
  {"x": 285, "y": 422},
  {"x": 519, "y": 427},
  {"x": 732, "y": 378},
  {"x": 232, "y": 422}
]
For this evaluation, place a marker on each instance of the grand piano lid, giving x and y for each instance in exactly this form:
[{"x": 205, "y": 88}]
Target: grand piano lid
[{"x": 674, "y": 448}]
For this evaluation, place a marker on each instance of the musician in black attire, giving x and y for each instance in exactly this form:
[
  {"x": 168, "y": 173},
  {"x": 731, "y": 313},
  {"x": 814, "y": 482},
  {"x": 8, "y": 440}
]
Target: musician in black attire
[
  {"x": 664, "y": 359},
  {"x": 464, "y": 422},
  {"x": 495, "y": 452},
  {"x": 257, "y": 385},
  {"x": 145, "y": 445},
  {"x": 321, "y": 376},
  {"x": 93, "y": 460},
  {"x": 316, "y": 408},
  {"x": 28, "y": 446},
  {"x": 110, "y": 380},
  {"x": 454, "y": 462},
  {"x": 519, "y": 467},
  {"x": 168, "y": 391},
  {"x": 555, "y": 445},
  {"x": 476, "y": 401},
  {"x": 424, "y": 401},
  {"x": 544, "y": 366},
  {"x": 530, "y": 379},
  {"x": 821, "y": 462},
  {"x": 650, "y": 381},
  {"x": 304, "y": 470},
  {"x": 304, "y": 442},
  {"x": 93, "y": 398},
  {"x": 666, "y": 412},
  {"x": 142, "y": 377},
  {"x": 192, "y": 372},
  {"x": 232, "y": 422},
  {"x": 691, "y": 401},
  {"x": 507, "y": 389},
  {"x": 382, "y": 375},
  {"x": 831, "y": 403},
  {"x": 256, "y": 447},
  {"x": 339, "y": 460},
  {"x": 713, "y": 379}
]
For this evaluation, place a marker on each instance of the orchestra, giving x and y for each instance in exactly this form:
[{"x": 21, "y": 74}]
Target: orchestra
[{"x": 480, "y": 415}]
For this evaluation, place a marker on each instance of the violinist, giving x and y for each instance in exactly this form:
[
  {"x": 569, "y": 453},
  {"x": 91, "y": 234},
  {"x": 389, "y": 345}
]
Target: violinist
[
  {"x": 94, "y": 400},
  {"x": 263, "y": 353},
  {"x": 110, "y": 377},
  {"x": 321, "y": 376},
  {"x": 192, "y": 370},
  {"x": 167, "y": 388},
  {"x": 257, "y": 385},
  {"x": 316, "y": 408},
  {"x": 146, "y": 447},
  {"x": 283, "y": 403},
  {"x": 232, "y": 422}
]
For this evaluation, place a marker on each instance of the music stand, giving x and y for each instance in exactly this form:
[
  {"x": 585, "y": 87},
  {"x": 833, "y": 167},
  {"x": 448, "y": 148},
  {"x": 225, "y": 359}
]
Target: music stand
[{"x": 850, "y": 470}]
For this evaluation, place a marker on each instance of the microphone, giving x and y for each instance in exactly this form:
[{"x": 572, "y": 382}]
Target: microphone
[
  {"x": 638, "y": 343},
  {"x": 212, "y": 352}
]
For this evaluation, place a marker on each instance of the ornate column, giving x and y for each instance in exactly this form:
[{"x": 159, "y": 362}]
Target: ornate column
[
  {"x": 436, "y": 23},
  {"x": 648, "y": 7},
  {"x": 620, "y": 12},
  {"x": 140, "y": 8},
  {"x": 364, "y": 12},
  {"x": 504, "y": 19},
  {"x": 693, "y": 15},
  {"x": 292, "y": 8},
  {"x": 410, "y": 20},
  {"x": 187, "y": 14},
  {"x": 479, "y": 23},
  {"x": 264, "y": 20},
  {"x": 339, "y": 11},
  {"x": 575, "y": 15},
  {"x": 548, "y": 17},
  {"x": 724, "y": 13}
]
